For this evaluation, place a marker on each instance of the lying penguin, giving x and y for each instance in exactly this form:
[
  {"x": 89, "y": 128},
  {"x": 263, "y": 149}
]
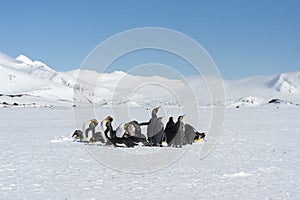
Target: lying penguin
[
  {"x": 192, "y": 135},
  {"x": 178, "y": 134},
  {"x": 133, "y": 128},
  {"x": 121, "y": 137},
  {"x": 78, "y": 135}
]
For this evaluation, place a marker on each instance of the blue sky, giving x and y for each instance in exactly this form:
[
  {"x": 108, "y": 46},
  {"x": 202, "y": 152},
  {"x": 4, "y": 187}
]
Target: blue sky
[{"x": 244, "y": 38}]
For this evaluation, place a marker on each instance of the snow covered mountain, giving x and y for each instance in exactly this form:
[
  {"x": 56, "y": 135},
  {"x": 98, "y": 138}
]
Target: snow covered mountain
[
  {"x": 32, "y": 83},
  {"x": 260, "y": 90}
]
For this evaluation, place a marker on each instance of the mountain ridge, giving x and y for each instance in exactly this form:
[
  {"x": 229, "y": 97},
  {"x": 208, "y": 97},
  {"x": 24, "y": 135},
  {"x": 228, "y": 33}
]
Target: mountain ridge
[{"x": 40, "y": 85}]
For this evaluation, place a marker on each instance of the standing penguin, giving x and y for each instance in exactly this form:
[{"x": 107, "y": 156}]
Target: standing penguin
[
  {"x": 154, "y": 129},
  {"x": 102, "y": 126},
  {"x": 98, "y": 131},
  {"x": 109, "y": 131},
  {"x": 89, "y": 130},
  {"x": 178, "y": 130},
  {"x": 120, "y": 138},
  {"x": 169, "y": 131},
  {"x": 157, "y": 139}
]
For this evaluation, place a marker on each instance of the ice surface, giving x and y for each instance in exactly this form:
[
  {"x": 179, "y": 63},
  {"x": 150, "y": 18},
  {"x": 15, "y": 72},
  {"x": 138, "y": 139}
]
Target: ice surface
[{"x": 257, "y": 157}]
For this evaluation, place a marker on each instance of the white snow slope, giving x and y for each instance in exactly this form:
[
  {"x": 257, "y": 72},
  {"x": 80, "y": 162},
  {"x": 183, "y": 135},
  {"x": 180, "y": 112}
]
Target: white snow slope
[
  {"x": 39, "y": 85},
  {"x": 257, "y": 157}
]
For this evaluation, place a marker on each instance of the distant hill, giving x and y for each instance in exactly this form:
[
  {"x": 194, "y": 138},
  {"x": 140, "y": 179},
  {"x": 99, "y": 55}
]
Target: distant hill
[{"x": 32, "y": 83}]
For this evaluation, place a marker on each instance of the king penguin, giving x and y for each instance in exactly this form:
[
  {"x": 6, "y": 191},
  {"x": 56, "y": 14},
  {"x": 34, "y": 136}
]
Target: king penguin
[
  {"x": 78, "y": 135},
  {"x": 133, "y": 128},
  {"x": 154, "y": 129},
  {"x": 192, "y": 135},
  {"x": 103, "y": 123},
  {"x": 169, "y": 131},
  {"x": 157, "y": 139},
  {"x": 89, "y": 130},
  {"x": 120, "y": 138},
  {"x": 178, "y": 130}
]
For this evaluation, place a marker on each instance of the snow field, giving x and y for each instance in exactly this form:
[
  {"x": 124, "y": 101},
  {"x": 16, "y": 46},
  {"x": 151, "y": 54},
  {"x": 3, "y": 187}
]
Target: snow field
[{"x": 257, "y": 157}]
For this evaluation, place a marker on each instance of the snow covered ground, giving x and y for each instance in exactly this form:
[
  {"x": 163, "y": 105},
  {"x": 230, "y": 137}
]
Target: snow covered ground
[{"x": 257, "y": 157}]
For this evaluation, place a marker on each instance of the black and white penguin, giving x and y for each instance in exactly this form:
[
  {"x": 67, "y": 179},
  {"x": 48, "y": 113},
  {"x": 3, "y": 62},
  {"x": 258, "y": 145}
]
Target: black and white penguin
[
  {"x": 120, "y": 138},
  {"x": 155, "y": 127},
  {"x": 133, "y": 132},
  {"x": 152, "y": 129},
  {"x": 89, "y": 130},
  {"x": 129, "y": 129},
  {"x": 78, "y": 135},
  {"x": 187, "y": 134},
  {"x": 192, "y": 135},
  {"x": 133, "y": 128},
  {"x": 157, "y": 139},
  {"x": 169, "y": 131},
  {"x": 104, "y": 123},
  {"x": 176, "y": 135}
]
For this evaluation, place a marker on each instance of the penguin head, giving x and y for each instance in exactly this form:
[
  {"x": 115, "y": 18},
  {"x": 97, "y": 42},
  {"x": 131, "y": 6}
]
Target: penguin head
[
  {"x": 129, "y": 128},
  {"x": 108, "y": 118},
  {"x": 171, "y": 119},
  {"x": 155, "y": 110},
  {"x": 180, "y": 118},
  {"x": 124, "y": 130},
  {"x": 93, "y": 122},
  {"x": 78, "y": 134},
  {"x": 199, "y": 137}
]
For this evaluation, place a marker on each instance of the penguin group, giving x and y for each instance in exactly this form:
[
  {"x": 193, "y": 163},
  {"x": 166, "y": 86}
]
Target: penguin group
[{"x": 174, "y": 134}]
